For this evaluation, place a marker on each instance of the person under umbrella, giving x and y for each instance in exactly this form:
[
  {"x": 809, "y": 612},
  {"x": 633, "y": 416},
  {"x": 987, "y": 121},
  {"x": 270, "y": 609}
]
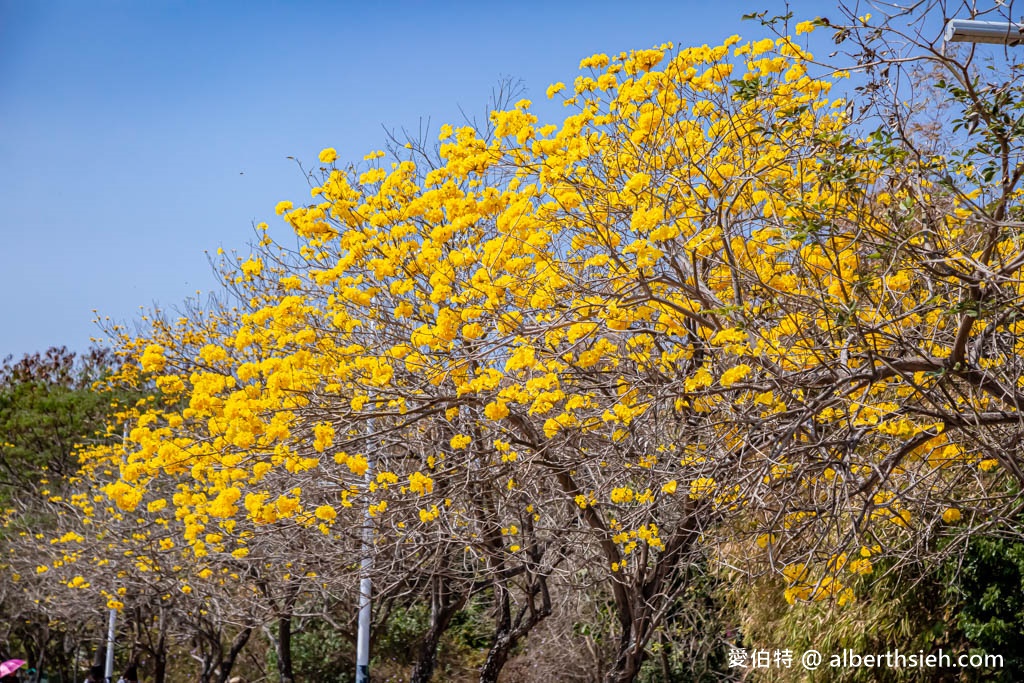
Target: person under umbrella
[{"x": 8, "y": 670}]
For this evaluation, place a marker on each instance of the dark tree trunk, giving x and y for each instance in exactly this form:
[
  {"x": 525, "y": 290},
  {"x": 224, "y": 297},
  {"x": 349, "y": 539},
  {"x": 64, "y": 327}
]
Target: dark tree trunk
[
  {"x": 284, "y": 640},
  {"x": 663, "y": 652},
  {"x": 160, "y": 657},
  {"x": 284, "y": 649},
  {"x": 496, "y": 658},
  {"x": 443, "y": 606},
  {"x": 209, "y": 668},
  {"x": 101, "y": 651},
  {"x": 639, "y": 605},
  {"x": 150, "y": 644},
  {"x": 512, "y": 630},
  {"x": 227, "y": 663},
  {"x": 505, "y": 641},
  {"x": 628, "y": 662},
  {"x": 208, "y": 656}
]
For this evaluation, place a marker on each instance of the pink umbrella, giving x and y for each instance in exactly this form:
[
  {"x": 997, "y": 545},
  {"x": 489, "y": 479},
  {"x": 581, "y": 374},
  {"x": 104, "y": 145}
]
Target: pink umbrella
[{"x": 10, "y": 666}]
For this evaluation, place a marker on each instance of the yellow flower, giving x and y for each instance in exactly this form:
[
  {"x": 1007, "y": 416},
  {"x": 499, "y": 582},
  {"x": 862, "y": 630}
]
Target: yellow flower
[
  {"x": 795, "y": 572},
  {"x": 326, "y": 513},
  {"x": 861, "y": 565},
  {"x": 152, "y": 359},
  {"x": 951, "y": 516},
  {"x": 323, "y": 436},
  {"x": 733, "y": 375},
  {"x": 702, "y": 487},
  {"x": 805, "y": 27},
  {"x": 357, "y": 464},
  {"x": 622, "y": 494},
  {"x": 284, "y": 206},
  {"x": 327, "y": 156},
  {"x": 496, "y": 410},
  {"x": 429, "y": 515},
  {"x": 637, "y": 182},
  {"x": 420, "y": 483},
  {"x": 598, "y": 61}
]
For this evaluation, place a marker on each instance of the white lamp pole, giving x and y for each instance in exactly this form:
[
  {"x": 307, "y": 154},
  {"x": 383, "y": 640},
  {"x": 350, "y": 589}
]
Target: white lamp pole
[
  {"x": 365, "y": 586},
  {"x": 365, "y": 583},
  {"x": 109, "y": 671}
]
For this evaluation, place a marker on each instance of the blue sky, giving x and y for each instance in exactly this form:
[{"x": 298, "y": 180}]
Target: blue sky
[{"x": 136, "y": 135}]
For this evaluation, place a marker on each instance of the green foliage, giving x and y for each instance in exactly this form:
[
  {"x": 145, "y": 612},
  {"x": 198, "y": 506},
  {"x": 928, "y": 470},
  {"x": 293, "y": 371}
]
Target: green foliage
[
  {"x": 320, "y": 654},
  {"x": 392, "y": 643},
  {"x": 892, "y": 611},
  {"x": 989, "y": 586},
  {"x": 465, "y": 644},
  {"x": 692, "y": 644},
  {"x": 47, "y": 406}
]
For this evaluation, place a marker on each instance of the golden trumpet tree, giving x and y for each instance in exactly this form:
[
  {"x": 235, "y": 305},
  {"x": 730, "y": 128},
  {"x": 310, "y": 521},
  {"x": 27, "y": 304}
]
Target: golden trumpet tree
[{"x": 703, "y": 315}]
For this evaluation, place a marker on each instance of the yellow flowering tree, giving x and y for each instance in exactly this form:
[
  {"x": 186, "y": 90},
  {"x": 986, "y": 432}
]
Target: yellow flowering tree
[{"x": 704, "y": 316}]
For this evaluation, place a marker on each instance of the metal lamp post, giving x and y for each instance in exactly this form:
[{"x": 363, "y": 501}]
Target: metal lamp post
[
  {"x": 108, "y": 672},
  {"x": 365, "y": 586},
  {"x": 995, "y": 32},
  {"x": 365, "y": 582}
]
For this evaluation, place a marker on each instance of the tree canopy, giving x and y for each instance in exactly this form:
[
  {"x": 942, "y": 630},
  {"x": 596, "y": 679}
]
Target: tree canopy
[{"x": 719, "y": 315}]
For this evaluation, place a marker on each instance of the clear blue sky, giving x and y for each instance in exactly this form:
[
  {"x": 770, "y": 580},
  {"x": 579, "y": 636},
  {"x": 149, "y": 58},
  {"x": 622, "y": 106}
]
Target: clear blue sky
[{"x": 135, "y": 135}]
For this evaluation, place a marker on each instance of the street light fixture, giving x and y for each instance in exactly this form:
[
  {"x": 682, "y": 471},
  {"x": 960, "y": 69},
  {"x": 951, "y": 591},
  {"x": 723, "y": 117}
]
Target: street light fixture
[{"x": 972, "y": 31}]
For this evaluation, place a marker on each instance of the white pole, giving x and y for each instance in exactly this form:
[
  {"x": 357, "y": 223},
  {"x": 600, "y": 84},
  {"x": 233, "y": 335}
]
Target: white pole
[
  {"x": 363, "y": 638},
  {"x": 365, "y": 586},
  {"x": 109, "y": 672}
]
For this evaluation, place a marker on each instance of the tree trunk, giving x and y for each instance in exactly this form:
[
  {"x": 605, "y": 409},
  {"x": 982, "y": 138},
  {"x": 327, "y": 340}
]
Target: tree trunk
[
  {"x": 498, "y": 654},
  {"x": 496, "y": 658},
  {"x": 639, "y": 613},
  {"x": 100, "y": 655},
  {"x": 160, "y": 657},
  {"x": 663, "y": 652},
  {"x": 443, "y": 606},
  {"x": 512, "y": 630},
  {"x": 228, "y": 661},
  {"x": 284, "y": 641},
  {"x": 210, "y": 648},
  {"x": 284, "y": 649}
]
